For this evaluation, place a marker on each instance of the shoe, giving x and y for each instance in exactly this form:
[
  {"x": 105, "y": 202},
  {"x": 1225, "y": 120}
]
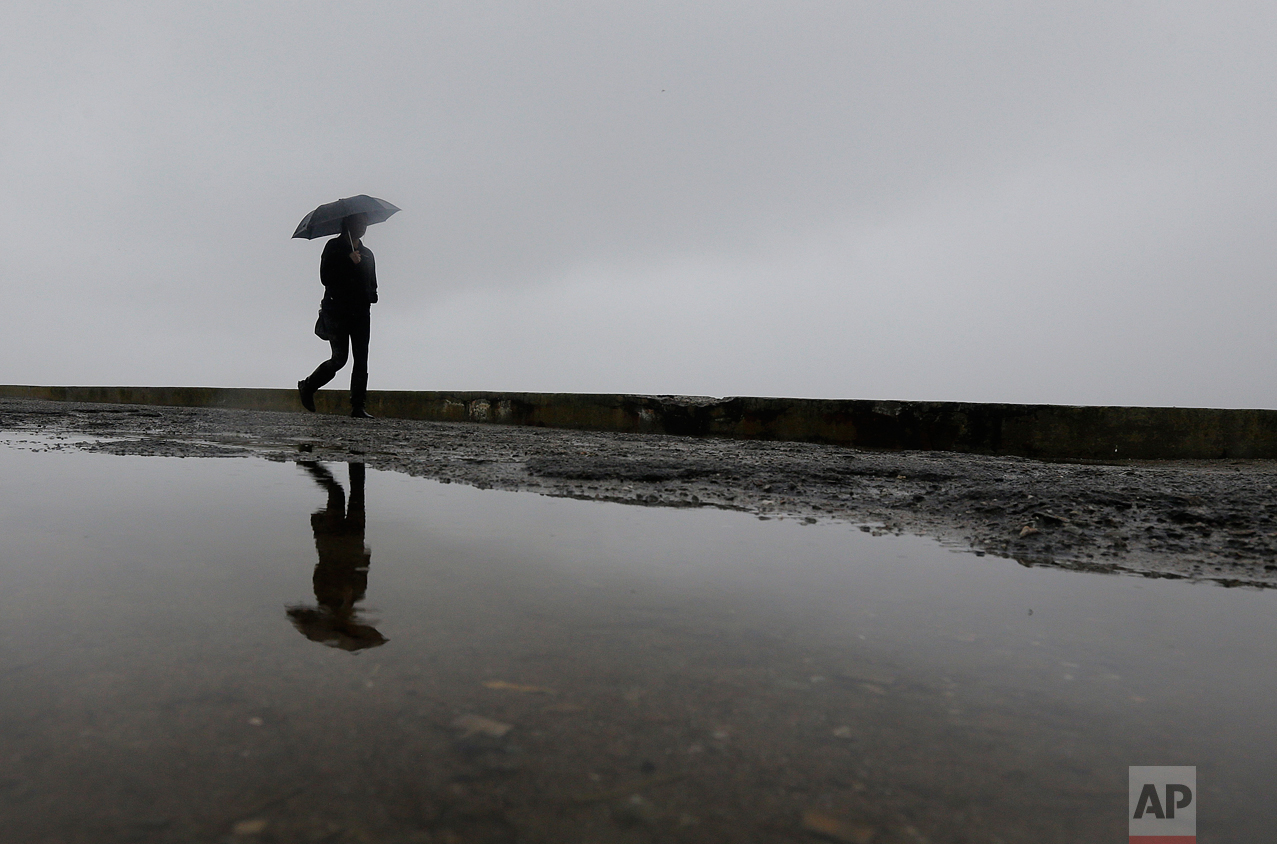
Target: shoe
[
  {"x": 360, "y": 413},
  {"x": 307, "y": 396}
]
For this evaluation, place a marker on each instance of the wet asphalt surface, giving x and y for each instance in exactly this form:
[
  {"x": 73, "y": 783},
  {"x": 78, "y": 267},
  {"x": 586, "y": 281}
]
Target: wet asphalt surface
[{"x": 1202, "y": 520}]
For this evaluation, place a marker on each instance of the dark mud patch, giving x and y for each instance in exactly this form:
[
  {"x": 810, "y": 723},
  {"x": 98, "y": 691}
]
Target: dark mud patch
[
  {"x": 586, "y": 469},
  {"x": 151, "y": 447}
]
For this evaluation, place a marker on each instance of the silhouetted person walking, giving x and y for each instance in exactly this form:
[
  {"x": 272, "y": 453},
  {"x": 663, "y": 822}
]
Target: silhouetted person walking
[{"x": 349, "y": 274}]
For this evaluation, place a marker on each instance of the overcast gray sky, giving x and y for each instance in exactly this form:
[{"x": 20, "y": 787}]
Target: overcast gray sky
[{"x": 1030, "y": 202}]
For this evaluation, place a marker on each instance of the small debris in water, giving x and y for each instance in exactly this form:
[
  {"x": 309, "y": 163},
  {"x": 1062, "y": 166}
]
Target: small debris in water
[
  {"x": 502, "y": 685},
  {"x": 837, "y": 829},
  {"x": 252, "y": 826},
  {"x": 631, "y": 789},
  {"x": 637, "y": 810},
  {"x": 477, "y": 724}
]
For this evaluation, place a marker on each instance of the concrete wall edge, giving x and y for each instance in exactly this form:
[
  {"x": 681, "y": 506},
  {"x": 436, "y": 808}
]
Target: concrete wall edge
[{"x": 1050, "y": 432}]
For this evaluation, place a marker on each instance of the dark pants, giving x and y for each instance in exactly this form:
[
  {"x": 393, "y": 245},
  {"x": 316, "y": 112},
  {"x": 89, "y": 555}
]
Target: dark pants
[{"x": 356, "y": 324}]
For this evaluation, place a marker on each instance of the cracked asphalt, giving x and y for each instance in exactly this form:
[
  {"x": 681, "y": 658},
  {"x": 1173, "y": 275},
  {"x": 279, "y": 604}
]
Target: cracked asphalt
[{"x": 1202, "y": 520}]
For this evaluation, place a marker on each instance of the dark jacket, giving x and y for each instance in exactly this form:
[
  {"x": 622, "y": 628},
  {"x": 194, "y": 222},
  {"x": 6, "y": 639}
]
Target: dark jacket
[{"x": 347, "y": 286}]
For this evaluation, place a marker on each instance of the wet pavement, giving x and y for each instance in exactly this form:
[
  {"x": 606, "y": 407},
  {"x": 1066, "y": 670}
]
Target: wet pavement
[
  {"x": 1201, "y": 520},
  {"x": 315, "y": 650}
]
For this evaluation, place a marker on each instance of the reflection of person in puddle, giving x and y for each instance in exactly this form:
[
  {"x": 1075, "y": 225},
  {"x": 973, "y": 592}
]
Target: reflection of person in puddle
[{"x": 341, "y": 576}]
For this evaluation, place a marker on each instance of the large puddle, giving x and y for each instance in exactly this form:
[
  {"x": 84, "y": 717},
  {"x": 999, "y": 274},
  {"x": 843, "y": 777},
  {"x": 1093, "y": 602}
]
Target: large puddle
[{"x": 213, "y": 650}]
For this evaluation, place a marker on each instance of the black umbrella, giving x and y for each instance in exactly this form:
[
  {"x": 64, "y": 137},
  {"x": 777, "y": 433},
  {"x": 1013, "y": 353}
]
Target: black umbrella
[{"x": 326, "y": 219}]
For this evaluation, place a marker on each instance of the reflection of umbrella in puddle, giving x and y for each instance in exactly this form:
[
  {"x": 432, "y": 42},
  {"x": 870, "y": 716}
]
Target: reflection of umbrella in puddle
[
  {"x": 320, "y": 625},
  {"x": 341, "y": 575}
]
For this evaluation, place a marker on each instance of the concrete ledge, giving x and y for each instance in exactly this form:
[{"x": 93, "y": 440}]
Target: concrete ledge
[{"x": 1052, "y": 432}]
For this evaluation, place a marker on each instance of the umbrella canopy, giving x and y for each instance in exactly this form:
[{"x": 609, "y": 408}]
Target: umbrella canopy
[{"x": 325, "y": 220}]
